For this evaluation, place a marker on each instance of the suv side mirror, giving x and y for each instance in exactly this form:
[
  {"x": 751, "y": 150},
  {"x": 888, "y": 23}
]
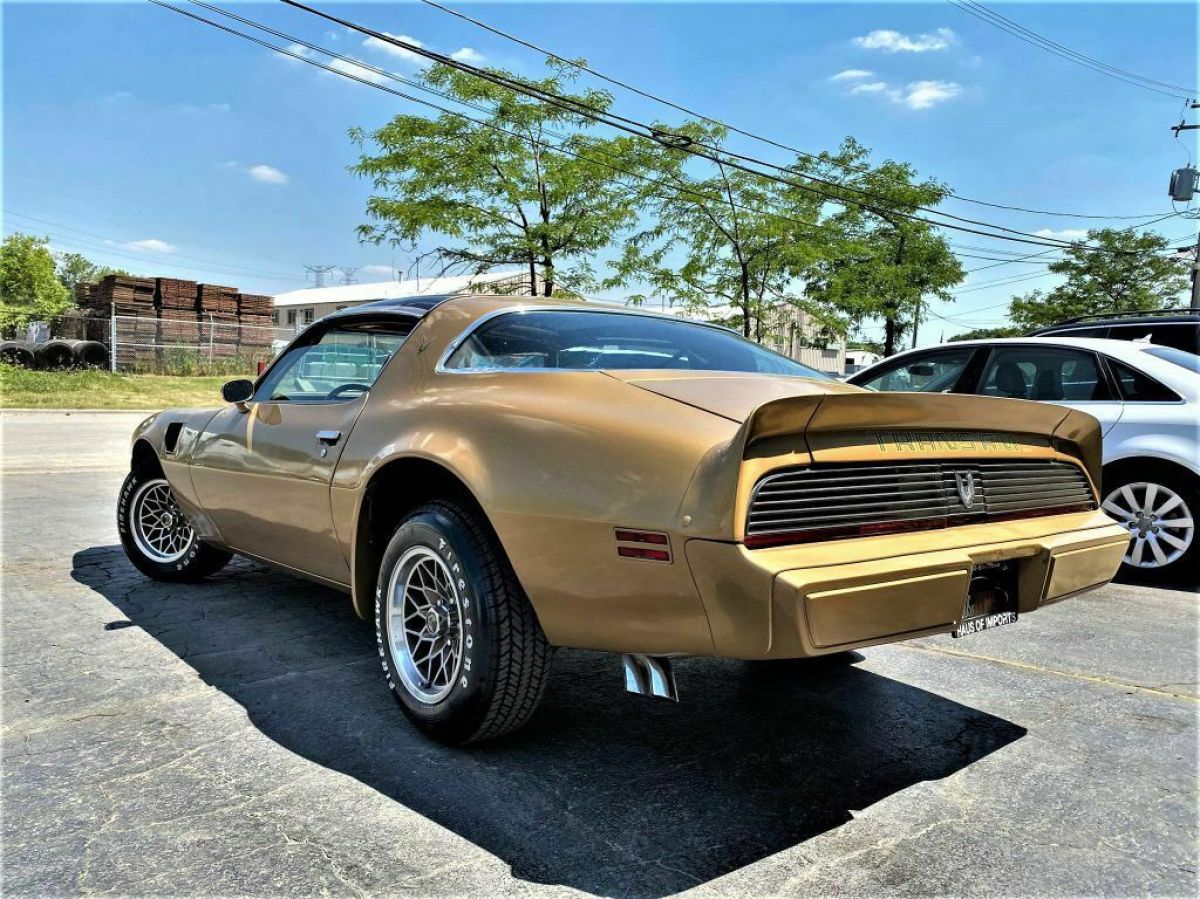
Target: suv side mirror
[{"x": 237, "y": 392}]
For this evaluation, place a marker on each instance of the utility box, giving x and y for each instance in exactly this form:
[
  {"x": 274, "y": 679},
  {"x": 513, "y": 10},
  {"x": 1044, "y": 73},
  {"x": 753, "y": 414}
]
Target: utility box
[{"x": 1183, "y": 184}]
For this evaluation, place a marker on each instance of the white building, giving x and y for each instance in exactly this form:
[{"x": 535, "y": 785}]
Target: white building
[
  {"x": 857, "y": 360},
  {"x": 297, "y": 308}
]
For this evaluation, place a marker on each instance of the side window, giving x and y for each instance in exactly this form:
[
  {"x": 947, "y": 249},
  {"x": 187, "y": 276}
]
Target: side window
[
  {"x": 1180, "y": 335},
  {"x": 1137, "y": 387},
  {"x": 927, "y": 373},
  {"x": 1048, "y": 374},
  {"x": 343, "y": 364}
]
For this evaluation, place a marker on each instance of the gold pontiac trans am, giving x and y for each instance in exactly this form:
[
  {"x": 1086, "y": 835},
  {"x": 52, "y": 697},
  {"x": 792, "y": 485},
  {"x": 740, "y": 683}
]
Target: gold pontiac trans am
[{"x": 490, "y": 478}]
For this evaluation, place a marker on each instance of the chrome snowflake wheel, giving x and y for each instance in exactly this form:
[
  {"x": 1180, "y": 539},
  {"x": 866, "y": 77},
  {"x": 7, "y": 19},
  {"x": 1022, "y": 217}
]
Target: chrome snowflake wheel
[
  {"x": 159, "y": 527},
  {"x": 425, "y": 624},
  {"x": 1161, "y": 526}
]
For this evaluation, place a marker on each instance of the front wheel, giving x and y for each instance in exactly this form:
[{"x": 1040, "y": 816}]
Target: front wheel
[
  {"x": 1159, "y": 509},
  {"x": 156, "y": 535},
  {"x": 460, "y": 644}
]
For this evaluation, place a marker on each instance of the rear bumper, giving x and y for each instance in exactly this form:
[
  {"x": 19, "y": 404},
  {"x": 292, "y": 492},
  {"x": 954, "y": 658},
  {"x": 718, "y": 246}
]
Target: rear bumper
[{"x": 797, "y": 601}]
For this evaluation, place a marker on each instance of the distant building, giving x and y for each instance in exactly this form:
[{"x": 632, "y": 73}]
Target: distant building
[
  {"x": 857, "y": 360},
  {"x": 298, "y": 308}
]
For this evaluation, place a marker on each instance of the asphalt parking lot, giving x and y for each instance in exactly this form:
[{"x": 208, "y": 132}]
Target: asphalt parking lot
[{"x": 234, "y": 737}]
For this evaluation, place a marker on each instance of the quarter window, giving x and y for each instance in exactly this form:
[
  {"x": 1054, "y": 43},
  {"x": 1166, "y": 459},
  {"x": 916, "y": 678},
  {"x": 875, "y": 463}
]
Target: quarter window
[
  {"x": 1044, "y": 373},
  {"x": 1138, "y": 387},
  {"x": 341, "y": 365}
]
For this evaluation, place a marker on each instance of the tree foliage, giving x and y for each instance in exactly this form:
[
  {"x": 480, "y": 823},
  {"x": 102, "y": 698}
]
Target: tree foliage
[
  {"x": 887, "y": 265},
  {"x": 986, "y": 334},
  {"x": 75, "y": 268},
  {"x": 724, "y": 243},
  {"x": 28, "y": 283},
  {"x": 1132, "y": 276},
  {"x": 499, "y": 195}
]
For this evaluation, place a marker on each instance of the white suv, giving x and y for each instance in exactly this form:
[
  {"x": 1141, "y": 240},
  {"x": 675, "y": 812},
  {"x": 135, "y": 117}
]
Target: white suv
[{"x": 1147, "y": 398}]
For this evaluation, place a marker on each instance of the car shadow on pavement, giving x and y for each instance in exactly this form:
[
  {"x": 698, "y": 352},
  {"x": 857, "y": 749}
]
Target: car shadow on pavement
[{"x": 603, "y": 792}]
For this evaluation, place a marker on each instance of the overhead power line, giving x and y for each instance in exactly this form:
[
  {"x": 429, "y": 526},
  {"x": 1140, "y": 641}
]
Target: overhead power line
[
  {"x": 675, "y": 189},
  {"x": 692, "y": 147},
  {"x": 847, "y": 167},
  {"x": 119, "y": 247},
  {"x": 997, "y": 20}
]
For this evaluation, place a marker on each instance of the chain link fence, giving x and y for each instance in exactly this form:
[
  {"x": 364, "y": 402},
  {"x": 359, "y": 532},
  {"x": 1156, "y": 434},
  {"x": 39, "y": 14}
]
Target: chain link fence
[
  {"x": 192, "y": 346},
  {"x": 195, "y": 345}
]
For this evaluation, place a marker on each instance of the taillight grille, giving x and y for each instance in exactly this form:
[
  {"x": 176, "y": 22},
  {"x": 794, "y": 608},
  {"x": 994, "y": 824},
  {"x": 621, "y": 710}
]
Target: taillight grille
[{"x": 832, "y": 501}]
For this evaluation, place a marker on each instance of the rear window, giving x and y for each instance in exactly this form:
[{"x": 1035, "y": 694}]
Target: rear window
[
  {"x": 1190, "y": 361},
  {"x": 586, "y": 340}
]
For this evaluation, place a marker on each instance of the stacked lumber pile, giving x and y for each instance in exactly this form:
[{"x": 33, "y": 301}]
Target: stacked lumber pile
[
  {"x": 126, "y": 295},
  {"x": 255, "y": 313},
  {"x": 218, "y": 308},
  {"x": 177, "y": 309},
  {"x": 83, "y": 295}
]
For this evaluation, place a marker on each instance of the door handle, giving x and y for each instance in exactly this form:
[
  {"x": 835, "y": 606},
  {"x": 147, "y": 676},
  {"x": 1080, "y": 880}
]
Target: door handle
[{"x": 328, "y": 438}]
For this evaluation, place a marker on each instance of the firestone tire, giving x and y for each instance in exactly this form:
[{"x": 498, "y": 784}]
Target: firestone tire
[
  {"x": 160, "y": 550},
  {"x": 460, "y": 645}
]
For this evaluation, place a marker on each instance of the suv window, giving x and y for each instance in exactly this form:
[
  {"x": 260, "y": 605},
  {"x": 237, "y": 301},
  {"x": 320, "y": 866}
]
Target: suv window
[
  {"x": 936, "y": 372},
  {"x": 1139, "y": 387},
  {"x": 341, "y": 365},
  {"x": 1044, "y": 373},
  {"x": 1180, "y": 335}
]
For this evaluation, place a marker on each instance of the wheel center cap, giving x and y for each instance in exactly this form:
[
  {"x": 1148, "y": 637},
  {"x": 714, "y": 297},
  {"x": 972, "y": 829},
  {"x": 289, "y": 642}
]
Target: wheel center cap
[
  {"x": 433, "y": 622},
  {"x": 168, "y": 519}
]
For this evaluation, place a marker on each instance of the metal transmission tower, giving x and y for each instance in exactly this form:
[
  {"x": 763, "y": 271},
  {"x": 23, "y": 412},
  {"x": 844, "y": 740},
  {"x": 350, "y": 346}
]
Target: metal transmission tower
[
  {"x": 318, "y": 273},
  {"x": 348, "y": 273}
]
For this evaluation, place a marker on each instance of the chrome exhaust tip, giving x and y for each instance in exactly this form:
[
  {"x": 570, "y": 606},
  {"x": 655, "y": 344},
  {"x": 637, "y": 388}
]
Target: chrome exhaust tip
[{"x": 649, "y": 676}]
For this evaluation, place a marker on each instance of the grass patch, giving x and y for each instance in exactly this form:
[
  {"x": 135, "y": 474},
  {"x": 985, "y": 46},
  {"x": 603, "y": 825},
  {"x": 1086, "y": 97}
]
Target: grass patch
[{"x": 21, "y": 388}]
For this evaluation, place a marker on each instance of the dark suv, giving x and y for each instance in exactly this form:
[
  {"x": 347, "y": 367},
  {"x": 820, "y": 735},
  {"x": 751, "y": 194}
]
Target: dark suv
[{"x": 1176, "y": 328}]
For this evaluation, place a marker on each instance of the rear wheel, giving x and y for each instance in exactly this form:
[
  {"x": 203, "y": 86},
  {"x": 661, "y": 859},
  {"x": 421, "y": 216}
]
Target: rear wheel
[
  {"x": 156, "y": 535},
  {"x": 1159, "y": 508},
  {"x": 460, "y": 644}
]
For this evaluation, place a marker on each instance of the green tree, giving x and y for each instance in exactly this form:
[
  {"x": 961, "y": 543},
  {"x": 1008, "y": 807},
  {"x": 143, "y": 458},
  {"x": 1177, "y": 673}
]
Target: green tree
[
  {"x": 498, "y": 195},
  {"x": 723, "y": 243},
  {"x": 1128, "y": 274},
  {"x": 888, "y": 265},
  {"x": 75, "y": 268},
  {"x": 28, "y": 284},
  {"x": 986, "y": 334}
]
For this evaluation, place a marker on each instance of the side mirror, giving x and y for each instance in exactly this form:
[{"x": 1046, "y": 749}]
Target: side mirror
[{"x": 237, "y": 392}]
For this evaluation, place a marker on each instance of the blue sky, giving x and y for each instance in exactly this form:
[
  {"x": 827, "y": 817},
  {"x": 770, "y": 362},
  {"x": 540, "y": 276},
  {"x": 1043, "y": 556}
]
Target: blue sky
[{"x": 146, "y": 140}]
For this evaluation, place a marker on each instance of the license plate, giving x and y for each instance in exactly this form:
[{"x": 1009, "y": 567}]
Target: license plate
[{"x": 991, "y": 598}]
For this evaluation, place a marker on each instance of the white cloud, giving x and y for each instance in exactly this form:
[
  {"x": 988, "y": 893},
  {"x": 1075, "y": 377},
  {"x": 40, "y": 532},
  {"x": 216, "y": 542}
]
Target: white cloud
[
  {"x": 1065, "y": 234},
  {"x": 927, "y": 94},
  {"x": 894, "y": 42},
  {"x": 851, "y": 75},
  {"x": 358, "y": 71},
  {"x": 404, "y": 53},
  {"x": 379, "y": 270},
  {"x": 469, "y": 55},
  {"x": 118, "y": 97},
  {"x": 152, "y": 244},
  {"x": 267, "y": 173},
  {"x": 914, "y": 95}
]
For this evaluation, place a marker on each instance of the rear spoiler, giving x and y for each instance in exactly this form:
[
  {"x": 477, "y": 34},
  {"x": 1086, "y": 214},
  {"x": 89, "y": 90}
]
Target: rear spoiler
[{"x": 951, "y": 423}]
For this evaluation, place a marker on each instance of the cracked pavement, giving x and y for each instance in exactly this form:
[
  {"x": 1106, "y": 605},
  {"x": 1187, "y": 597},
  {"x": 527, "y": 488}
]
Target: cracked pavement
[{"x": 235, "y": 737}]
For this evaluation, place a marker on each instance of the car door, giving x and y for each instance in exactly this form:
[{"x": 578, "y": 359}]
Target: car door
[
  {"x": 262, "y": 469},
  {"x": 1065, "y": 376}
]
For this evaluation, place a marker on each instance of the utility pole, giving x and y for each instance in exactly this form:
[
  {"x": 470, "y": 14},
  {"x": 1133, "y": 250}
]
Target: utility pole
[
  {"x": 1182, "y": 189},
  {"x": 348, "y": 273},
  {"x": 318, "y": 273}
]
